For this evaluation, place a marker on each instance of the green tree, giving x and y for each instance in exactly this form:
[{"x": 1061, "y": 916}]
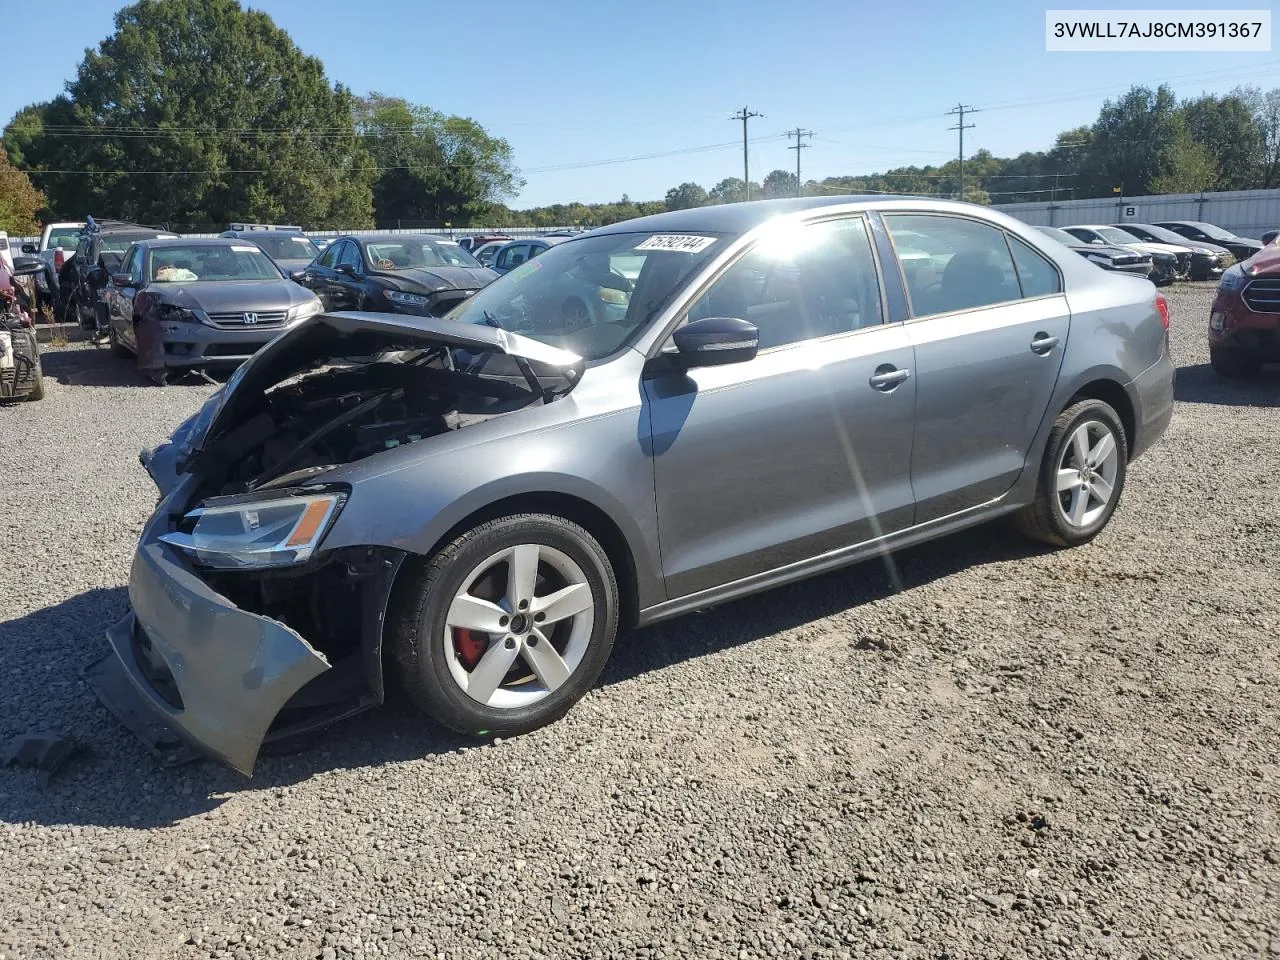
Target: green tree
[
  {"x": 1229, "y": 132},
  {"x": 729, "y": 190},
  {"x": 779, "y": 183},
  {"x": 686, "y": 196},
  {"x": 1132, "y": 141},
  {"x": 20, "y": 201},
  {"x": 198, "y": 112},
  {"x": 1190, "y": 166},
  {"x": 432, "y": 167},
  {"x": 1265, "y": 110}
]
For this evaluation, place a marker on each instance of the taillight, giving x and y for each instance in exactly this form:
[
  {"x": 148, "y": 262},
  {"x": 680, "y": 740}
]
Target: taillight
[
  {"x": 59, "y": 258},
  {"x": 1163, "y": 306}
]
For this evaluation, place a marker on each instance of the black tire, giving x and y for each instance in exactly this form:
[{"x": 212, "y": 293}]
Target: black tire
[
  {"x": 37, "y": 392},
  {"x": 1043, "y": 519},
  {"x": 425, "y": 591},
  {"x": 1233, "y": 362},
  {"x": 118, "y": 349}
]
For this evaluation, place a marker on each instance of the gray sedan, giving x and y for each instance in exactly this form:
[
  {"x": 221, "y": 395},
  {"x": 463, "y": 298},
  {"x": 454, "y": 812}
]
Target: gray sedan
[
  {"x": 473, "y": 506},
  {"x": 184, "y": 304}
]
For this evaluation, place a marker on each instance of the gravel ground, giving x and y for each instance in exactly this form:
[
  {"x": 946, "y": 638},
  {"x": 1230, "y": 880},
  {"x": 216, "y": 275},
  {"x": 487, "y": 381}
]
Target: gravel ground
[{"x": 1024, "y": 753}]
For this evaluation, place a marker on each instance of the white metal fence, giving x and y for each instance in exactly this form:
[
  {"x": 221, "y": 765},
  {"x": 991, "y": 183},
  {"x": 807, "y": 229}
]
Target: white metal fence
[
  {"x": 1248, "y": 213},
  {"x": 516, "y": 233}
]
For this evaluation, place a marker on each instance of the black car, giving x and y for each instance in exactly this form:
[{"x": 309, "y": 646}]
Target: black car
[
  {"x": 1242, "y": 248},
  {"x": 1121, "y": 259},
  {"x": 1208, "y": 260},
  {"x": 394, "y": 273},
  {"x": 87, "y": 274},
  {"x": 1270, "y": 237}
]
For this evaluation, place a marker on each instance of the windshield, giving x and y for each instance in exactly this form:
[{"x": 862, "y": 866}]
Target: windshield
[
  {"x": 1060, "y": 235},
  {"x": 66, "y": 237},
  {"x": 1208, "y": 229},
  {"x": 408, "y": 253},
  {"x": 1116, "y": 236},
  {"x": 1161, "y": 235},
  {"x": 591, "y": 296},
  {"x": 211, "y": 262},
  {"x": 286, "y": 246}
]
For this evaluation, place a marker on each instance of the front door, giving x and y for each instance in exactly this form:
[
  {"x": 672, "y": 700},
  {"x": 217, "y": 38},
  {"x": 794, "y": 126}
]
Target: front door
[
  {"x": 989, "y": 327},
  {"x": 806, "y": 448},
  {"x": 120, "y": 300}
]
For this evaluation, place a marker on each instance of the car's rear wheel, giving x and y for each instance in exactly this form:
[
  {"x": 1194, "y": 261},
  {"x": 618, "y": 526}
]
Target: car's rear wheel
[
  {"x": 1233, "y": 362},
  {"x": 507, "y": 627},
  {"x": 1081, "y": 477}
]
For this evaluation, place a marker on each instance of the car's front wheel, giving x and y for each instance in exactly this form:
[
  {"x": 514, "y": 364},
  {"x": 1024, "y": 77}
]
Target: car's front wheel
[
  {"x": 508, "y": 626},
  {"x": 1081, "y": 476}
]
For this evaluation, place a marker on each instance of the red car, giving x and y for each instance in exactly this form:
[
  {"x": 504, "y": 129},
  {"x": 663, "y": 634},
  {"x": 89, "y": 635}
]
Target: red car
[{"x": 1244, "y": 324}]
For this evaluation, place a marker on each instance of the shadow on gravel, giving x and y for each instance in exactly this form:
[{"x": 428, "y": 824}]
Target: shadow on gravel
[
  {"x": 1197, "y": 383},
  {"x": 96, "y": 367},
  {"x": 121, "y": 784}
]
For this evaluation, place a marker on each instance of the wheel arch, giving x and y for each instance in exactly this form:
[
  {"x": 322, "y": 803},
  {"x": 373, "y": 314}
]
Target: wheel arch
[
  {"x": 577, "y": 510},
  {"x": 1114, "y": 395}
]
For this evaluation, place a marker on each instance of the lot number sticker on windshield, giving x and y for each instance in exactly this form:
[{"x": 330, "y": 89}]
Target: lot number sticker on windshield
[{"x": 677, "y": 242}]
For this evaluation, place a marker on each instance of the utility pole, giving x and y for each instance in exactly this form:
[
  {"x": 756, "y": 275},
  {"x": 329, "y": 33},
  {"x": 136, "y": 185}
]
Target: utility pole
[
  {"x": 798, "y": 133},
  {"x": 744, "y": 115},
  {"x": 960, "y": 110}
]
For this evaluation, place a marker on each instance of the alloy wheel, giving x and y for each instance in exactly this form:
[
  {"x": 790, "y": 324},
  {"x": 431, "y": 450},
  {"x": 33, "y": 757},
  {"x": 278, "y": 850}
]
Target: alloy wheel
[
  {"x": 519, "y": 626},
  {"x": 1086, "y": 475}
]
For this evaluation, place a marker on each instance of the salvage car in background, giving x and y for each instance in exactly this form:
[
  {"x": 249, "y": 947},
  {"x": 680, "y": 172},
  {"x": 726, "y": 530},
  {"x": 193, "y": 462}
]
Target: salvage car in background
[
  {"x": 398, "y": 273},
  {"x": 1121, "y": 259},
  {"x": 1168, "y": 263},
  {"x": 87, "y": 274},
  {"x": 289, "y": 247},
  {"x": 1207, "y": 260},
  {"x": 195, "y": 304},
  {"x": 1242, "y": 248},
  {"x": 1244, "y": 321},
  {"x": 473, "y": 243},
  {"x": 480, "y": 497},
  {"x": 57, "y": 244},
  {"x": 512, "y": 254},
  {"x": 485, "y": 253}
]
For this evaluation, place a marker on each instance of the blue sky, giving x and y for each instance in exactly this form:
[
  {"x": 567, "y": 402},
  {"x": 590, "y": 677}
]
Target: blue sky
[{"x": 572, "y": 82}]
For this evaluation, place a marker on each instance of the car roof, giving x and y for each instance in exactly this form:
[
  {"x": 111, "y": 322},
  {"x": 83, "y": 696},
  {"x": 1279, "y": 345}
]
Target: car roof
[
  {"x": 738, "y": 218},
  {"x": 392, "y": 237},
  {"x": 190, "y": 241}
]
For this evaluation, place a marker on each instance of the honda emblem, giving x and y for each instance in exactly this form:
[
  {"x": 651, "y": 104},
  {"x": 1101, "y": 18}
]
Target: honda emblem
[{"x": 250, "y": 319}]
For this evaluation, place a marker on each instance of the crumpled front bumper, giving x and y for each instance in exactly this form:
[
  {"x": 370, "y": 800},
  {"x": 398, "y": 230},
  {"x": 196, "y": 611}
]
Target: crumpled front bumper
[{"x": 216, "y": 674}]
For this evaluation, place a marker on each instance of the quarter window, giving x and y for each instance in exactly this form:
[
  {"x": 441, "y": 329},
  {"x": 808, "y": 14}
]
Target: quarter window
[
  {"x": 951, "y": 263},
  {"x": 1038, "y": 276},
  {"x": 801, "y": 282}
]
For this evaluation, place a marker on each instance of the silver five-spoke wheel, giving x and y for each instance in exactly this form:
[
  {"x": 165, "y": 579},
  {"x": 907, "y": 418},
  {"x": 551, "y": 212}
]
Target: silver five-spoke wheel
[
  {"x": 1087, "y": 471},
  {"x": 519, "y": 626}
]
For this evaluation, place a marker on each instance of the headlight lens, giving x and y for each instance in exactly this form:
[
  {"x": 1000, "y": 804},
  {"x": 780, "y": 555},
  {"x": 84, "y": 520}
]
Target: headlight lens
[
  {"x": 616, "y": 297},
  {"x": 1232, "y": 278},
  {"x": 408, "y": 299},
  {"x": 304, "y": 310},
  {"x": 256, "y": 531},
  {"x": 172, "y": 314}
]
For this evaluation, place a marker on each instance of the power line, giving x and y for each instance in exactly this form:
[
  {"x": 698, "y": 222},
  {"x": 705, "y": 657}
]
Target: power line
[
  {"x": 798, "y": 134},
  {"x": 960, "y": 110},
  {"x": 744, "y": 115}
]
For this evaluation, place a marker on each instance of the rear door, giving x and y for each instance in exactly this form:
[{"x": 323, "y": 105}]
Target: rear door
[
  {"x": 989, "y": 325},
  {"x": 803, "y": 450}
]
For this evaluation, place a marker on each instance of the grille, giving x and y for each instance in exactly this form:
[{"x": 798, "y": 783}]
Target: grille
[
  {"x": 1263, "y": 295},
  {"x": 236, "y": 320}
]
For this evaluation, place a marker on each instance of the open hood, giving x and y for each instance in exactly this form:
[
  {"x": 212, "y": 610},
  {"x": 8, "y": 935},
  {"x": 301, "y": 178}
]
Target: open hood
[{"x": 548, "y": 371}]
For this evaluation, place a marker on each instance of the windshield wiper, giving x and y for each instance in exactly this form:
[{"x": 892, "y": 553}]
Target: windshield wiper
[{"x": 490, "y": 319}]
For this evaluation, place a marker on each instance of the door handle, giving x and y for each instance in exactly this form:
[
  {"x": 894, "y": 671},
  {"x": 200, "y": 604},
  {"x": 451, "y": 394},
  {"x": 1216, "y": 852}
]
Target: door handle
[
  {"x": 887, "y": 377},
  {"x": 1043, "y": 343}
]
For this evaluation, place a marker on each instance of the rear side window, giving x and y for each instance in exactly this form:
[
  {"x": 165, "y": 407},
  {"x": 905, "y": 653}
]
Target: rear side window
[
  {"x": 1038, "y": 276},
  {"x": 951, "y": 263}
]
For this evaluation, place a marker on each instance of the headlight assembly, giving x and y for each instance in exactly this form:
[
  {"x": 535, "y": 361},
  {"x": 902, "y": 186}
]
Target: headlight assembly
[
  {"x": 406, "y": 299},
  {"x": 309, "y": 309},
  {"x": 255, "y": 531},
  {"x": 1233, "y": 278}
]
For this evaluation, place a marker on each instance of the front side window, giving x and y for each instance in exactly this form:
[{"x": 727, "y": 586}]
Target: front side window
[
  {"x": 211, "y": 262},
  {"x": 952, "y": 263},
  {"x": 800, "y": 282},
  {"x": 513, "y": 256},
  {"x": 329, "y": 258},
  {"x": 350, "y": 256},
  {"x": 133, "y": 264},
  {"x": 591, "y": 296}
]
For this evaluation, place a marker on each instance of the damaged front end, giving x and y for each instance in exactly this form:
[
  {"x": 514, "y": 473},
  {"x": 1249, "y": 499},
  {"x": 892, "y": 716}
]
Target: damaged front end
[{"x": 243, "y": 628}]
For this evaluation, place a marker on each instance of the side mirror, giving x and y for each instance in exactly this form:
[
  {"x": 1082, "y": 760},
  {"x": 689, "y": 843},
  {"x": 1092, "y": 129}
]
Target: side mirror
[
  {"x": 714, "y": 341},
  {"x": 29, "y": 248},
  {"x": 346, "y": 269},
  {"x": 297, "y": 276},
  {"x": 122, "y": 279}
]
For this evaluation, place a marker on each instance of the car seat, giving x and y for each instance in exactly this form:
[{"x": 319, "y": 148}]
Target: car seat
[{"x": 969, "y": 280}]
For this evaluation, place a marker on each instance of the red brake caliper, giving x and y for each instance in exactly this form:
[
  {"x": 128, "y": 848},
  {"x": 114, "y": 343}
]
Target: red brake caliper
[{"x": 470, "y": 646}]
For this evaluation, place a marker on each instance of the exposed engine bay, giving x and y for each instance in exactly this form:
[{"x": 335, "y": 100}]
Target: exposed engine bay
[{"x": 345, "y": 410}]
